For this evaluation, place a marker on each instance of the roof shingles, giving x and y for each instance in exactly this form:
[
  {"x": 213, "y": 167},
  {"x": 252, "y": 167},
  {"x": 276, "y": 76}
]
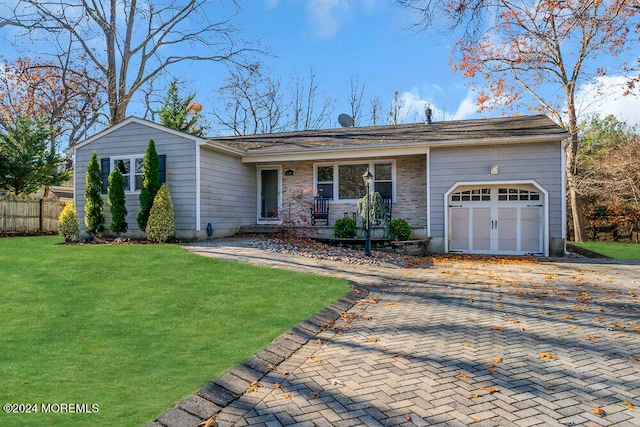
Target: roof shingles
[{"x": 438, "y": 132}]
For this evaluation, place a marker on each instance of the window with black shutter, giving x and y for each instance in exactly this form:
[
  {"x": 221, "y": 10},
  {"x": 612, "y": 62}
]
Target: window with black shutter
[
  {"x": 162, "y": 169},
  {"x": 105, "y": 168}
]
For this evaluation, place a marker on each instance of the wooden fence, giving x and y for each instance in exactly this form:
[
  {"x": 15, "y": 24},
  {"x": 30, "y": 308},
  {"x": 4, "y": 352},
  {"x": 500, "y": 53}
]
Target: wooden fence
[{"x": 27, "y": 214}]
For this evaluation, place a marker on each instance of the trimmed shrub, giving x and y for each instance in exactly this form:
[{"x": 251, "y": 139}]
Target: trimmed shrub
[
  {"x": 117, "y": 202},
  {"x": 161, "y": 221},
  {"x": 344, "y": 228},
  {"x": 93, "y": 217},
  {"x": 68, "y": 225},
  {"x": 400, "y": 229},
  {"x": 150, "y": 183}
]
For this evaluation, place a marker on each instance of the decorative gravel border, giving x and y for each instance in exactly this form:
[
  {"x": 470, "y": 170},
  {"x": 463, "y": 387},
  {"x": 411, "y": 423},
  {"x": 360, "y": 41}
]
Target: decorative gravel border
[{"x": 228, "y": 387}]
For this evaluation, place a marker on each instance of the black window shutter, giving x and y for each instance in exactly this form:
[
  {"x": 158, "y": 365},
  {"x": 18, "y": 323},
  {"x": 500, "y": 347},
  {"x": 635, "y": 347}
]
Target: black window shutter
[
  {"x": 105, "y": 166},
  {"x": 162, "y": 169}
]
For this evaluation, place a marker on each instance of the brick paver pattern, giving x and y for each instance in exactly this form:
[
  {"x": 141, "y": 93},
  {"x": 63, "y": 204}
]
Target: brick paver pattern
[{"x": 463, "y": 342}]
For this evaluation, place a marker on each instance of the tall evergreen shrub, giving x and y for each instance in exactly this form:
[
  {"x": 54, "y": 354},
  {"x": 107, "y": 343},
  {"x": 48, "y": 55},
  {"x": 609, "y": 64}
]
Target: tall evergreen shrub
[
  {"x": 150, "y": 183},
  {"x": 93, "y": 217},
  {"x": 161, "y": 220},
  {"x": 117, "y": 202}
]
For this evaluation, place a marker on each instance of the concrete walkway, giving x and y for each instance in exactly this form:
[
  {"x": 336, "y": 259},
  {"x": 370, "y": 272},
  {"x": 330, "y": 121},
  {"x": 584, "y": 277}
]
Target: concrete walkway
[{"x": 453, "y": 342}]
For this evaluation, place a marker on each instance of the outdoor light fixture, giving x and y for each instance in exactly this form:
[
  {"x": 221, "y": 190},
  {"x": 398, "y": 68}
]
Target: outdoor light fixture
[
  {"x": 494, "y": 170},
  {"x": 368, "y": 181}
]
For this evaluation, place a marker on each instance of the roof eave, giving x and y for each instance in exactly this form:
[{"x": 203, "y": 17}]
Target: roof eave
[
  {"x": 137, "y": 120},
  {"x": 327, "y": 153}
]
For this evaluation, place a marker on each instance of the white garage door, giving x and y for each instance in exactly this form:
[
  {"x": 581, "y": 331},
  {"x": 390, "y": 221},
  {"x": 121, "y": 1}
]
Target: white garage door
[{"x": 496, "y": 220}]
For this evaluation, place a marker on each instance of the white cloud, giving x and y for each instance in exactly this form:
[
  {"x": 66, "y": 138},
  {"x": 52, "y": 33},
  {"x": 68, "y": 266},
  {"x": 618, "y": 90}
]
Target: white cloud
[
  {"x": 604, "y": 95},
  {"x": 414, "y": 105},
  {"x": 326, "y": 16}
]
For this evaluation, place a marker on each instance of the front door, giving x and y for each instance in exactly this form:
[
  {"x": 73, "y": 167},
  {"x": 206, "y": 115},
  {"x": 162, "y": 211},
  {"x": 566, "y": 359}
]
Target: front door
[
  {"x": 497, "y": 220},
  {"x": 269, "y": 190}
]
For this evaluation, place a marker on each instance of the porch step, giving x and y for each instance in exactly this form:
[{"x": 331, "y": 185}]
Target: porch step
[{"x": 260, "y": 229}]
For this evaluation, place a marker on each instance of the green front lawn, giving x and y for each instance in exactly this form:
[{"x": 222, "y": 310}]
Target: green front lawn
[
  {"x": 133, "y": 328},
  {"x": 617, "y": 250}
]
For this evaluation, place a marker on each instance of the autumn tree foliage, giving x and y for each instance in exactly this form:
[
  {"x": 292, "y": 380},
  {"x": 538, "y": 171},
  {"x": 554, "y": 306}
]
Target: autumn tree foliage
[
  {"x": 93, "y": 215},
  {"x": 537, "y": 54},
  {"x": 137, "y": 40},
  {"x": 179, "y": 113},
  {"x": 608, "y": 178},
  {"x": 67, "y": 96}
]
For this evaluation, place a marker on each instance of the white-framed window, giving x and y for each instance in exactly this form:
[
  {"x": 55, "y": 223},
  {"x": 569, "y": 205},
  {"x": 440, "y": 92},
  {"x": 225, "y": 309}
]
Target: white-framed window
[
  {"x": 132, "y": 170},
  {"x": 342, "y": 181}
]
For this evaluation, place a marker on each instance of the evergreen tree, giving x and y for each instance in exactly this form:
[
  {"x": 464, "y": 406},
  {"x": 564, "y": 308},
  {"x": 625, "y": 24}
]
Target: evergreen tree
[
  {"x": 117, "y": 202},
  {"x": 150, "y": 183},
  {"x": 27, "y": 161},
  {"x": 181, "y": 114},
  {"x": 93, "y": 217},
  {"x": 161, "y": 220}
]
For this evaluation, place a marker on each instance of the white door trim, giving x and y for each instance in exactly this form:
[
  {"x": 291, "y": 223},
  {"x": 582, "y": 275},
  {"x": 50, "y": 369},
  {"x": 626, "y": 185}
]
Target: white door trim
[
  {"x": 545, "y": 244},
  {"x": 259, "y": 219}
]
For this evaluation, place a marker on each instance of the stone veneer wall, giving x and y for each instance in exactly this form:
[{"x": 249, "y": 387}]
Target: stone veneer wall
[{"x": 411, "y": 197}]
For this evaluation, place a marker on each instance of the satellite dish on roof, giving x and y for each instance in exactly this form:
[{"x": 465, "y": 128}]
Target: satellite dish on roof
[{"x": 345, "y": 120}]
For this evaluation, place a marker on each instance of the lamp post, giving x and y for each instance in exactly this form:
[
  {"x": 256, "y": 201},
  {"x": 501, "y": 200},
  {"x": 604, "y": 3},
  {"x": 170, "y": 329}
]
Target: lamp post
[{"x": 368, "y": 180}]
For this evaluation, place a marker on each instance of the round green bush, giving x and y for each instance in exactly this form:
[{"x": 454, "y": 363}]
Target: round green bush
[
  {"x": 400, "y": 229},
  {"x": 68, "y": 225},
  {"x": 344, "y": 228}
]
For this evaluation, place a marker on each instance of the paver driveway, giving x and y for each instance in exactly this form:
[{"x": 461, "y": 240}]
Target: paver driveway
[{"x": 458, "y": 342}]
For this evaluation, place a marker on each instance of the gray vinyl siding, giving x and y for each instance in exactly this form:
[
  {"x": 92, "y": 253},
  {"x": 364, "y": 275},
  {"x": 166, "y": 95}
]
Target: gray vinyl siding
[
  {"x": 541, "y": 163},
  {"x": 132, "y": 139},
  {"x": 228, "y": 192}
]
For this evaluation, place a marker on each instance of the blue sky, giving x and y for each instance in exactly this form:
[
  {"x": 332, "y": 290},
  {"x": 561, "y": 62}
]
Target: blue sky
[
  {"x": 373, "y": 39},
  {"x": 344, "y": 38}
]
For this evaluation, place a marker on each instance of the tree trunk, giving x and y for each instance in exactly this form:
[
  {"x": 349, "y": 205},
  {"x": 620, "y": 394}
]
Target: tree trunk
[{"x": 571, "y": 169}]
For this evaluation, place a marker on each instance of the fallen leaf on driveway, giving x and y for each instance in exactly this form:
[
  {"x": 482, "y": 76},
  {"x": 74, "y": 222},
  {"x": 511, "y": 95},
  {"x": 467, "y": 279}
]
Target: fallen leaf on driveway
[
  {"x": 474, "y": 394},
  {"x": 253, "y": 387},
  {"x": 318, "y": 360},
  {"x": 599, "y": 411},
  {"x": 277, "y": 385},
  {"x": 547, "y": 356},
  {"x": 464, "y": 344},
  {"x": 271, "y": 367},
  {"x": 498, "y": 328},
  {"x": 592, "y": 337},
  {"x": 211, "y": 422},
  {"x": 315, "y": 394},
  {"x": 371, "y": 340},
  {"x": 497, "y": 359},
  {"x": 627, "y": 404},
  {"x": 286, "y": 395},
  {"x": 336, "y": 382},
  {"x": 462, "y": 376}
]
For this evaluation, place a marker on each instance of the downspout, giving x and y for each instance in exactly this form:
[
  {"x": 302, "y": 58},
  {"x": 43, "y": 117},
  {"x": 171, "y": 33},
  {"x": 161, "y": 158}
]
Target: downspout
[
  {"x": 428, "y": 172},
  {"x": 198, "y": 228}
]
